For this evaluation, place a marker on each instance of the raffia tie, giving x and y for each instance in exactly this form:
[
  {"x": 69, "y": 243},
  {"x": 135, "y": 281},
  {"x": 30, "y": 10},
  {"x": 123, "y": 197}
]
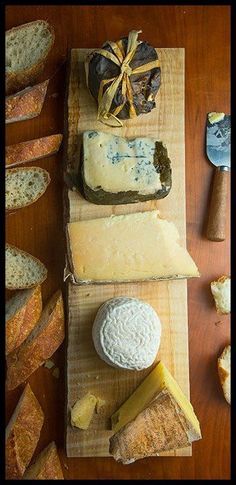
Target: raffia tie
[{"x": 118, "y": 56}]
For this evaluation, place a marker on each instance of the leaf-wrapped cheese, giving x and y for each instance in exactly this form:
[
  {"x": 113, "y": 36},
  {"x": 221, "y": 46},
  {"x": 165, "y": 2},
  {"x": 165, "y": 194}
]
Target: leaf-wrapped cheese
[{"x": 124, "y": 77}]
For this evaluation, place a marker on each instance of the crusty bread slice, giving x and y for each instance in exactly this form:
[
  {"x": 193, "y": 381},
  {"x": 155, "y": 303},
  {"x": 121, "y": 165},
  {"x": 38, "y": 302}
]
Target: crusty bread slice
[
  {"x": 221, "y": 292},
  {"x": 27, "y": 48},
  {"x": 31, "y": 150},
  {"x": 224, "y": 370},
  {"x": 46, "y": 467},
  {"x": 22, "y": 312},
  {"x": 22, "y": 434},
  {"x": 40, "y": 345},
  {"x": 24, "y": 186},
  {"x": 26, "y": 104},
  {"x": 22, "y": 269}
]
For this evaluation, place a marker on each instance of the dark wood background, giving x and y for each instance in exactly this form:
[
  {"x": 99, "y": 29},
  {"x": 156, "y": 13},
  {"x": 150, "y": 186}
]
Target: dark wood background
[{"x": 204, "y": 32}]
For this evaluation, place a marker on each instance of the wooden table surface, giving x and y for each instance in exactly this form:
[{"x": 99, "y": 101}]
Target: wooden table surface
[{"x": 204, "y": 32}]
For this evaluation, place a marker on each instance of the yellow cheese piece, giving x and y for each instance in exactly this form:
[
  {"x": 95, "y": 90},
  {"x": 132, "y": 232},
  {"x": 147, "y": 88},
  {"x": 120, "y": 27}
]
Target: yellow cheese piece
[
  {"x": 157, "y": 381},
  {"x": 82, "y": 411},
  {"x": 132, "y": 247}
]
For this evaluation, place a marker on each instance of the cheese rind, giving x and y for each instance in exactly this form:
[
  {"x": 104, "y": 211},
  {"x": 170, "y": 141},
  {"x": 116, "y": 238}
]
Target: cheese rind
[
  {"x": 126, "y": 333},
  {"x": 158, "y": 380},
  {"x": 156, "y": 417},
  {"x": 133, "y": 247},
  {"x": 117, "y": 170}
]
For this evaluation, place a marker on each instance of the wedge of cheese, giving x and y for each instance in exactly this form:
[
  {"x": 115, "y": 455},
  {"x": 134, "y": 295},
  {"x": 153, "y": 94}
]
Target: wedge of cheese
[
  {"x": 82, "y": 411},
  {"x": 117, "y": 170},
  {"x": 155, "y": 418},
  {"x": 133, "y": 247}
]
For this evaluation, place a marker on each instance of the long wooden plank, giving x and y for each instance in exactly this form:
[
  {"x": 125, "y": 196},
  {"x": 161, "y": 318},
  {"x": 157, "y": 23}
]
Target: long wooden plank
[{"x": 85, "y": 371}]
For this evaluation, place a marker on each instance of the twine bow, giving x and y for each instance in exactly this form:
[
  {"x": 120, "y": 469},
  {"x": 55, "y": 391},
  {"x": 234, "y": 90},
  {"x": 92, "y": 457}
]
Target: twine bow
[{"x": 122, "y": 60}]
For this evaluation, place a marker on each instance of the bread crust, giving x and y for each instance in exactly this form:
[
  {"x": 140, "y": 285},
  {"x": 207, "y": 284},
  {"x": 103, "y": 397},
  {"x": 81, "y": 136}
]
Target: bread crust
[
  {"x": 47, "y": 466},
  {"x": 25, "y": 104},
  {"x": 37, "y": 348},
  {"x": 23, "y": 320},
  {"x": 31, "y": 150},
  {"x": 44, "y": 270},
  {"x": 20, "y": 79},
  {"x": 19, "y": 170},
  {"x": 224, "y": 372},
  {"x": 22, "y": 434}
]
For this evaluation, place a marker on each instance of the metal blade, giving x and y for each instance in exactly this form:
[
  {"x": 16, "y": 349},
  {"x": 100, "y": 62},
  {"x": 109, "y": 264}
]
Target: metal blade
[{"x": 218, "y": 139}]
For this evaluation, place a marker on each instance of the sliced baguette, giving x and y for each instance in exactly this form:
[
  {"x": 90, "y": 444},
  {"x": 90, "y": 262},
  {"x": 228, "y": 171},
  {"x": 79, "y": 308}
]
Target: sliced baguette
[
  {"x": 46, "y": 467},
  {"x": 22, "y": 312},
  {"x": 224, "y": 371},
  {"x": 27, "y": 48},
  {"x": 22, "y": 269},
  {"x": 22, "y": 434},
  {"x": 26, "y": 104},
  {"x": 24, "y": 186},
  {"x": 31, "y": 150},
  {"x": 40, "y": 345}
]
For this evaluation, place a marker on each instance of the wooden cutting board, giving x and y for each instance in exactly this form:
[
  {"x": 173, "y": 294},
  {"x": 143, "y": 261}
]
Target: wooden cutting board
[{"x": 86, "y": 372}]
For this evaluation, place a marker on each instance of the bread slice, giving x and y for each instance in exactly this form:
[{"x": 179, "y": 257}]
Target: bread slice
[
  {"x": 22, "y": 312},
  {"x": 22, "y": 269},
  {"x": 221, "y": 292},
  {"x": 40, "y": 345},
  {"x": 31, "y": 150},
  {"x": 27, "y": 48},
  {"x": 22, "y": 434},
  {"x": 24, "y": 186},
  {"x": 46, "y": 467},
  {"x": 224, "y": 370},
  {"x": 26, "y": 104}
]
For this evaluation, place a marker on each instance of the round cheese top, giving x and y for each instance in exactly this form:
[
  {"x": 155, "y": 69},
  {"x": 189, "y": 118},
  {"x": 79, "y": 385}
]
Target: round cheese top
[{"x": 126, "y": 333}]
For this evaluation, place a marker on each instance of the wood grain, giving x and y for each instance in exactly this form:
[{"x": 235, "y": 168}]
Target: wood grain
[
  {"x": 85, "y": 371},
  {"x": 204, "y": 32}
]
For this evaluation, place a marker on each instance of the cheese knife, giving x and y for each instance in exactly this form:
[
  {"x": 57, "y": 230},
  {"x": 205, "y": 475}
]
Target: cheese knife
[{"x": 218, "y": 142}]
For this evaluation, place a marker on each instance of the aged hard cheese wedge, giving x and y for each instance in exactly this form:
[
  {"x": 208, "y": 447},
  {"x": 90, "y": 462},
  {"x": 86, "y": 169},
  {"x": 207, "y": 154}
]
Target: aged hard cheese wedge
[
  {"x": 118, "y": 170},
  {"x": 126, "y": 333},
  {"x": 133, "y": 247},
  {"x": 156, "y": 417}
]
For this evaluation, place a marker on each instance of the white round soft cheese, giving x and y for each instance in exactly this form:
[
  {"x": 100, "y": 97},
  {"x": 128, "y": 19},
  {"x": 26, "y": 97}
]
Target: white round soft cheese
[{"x": 126, "y": 333}]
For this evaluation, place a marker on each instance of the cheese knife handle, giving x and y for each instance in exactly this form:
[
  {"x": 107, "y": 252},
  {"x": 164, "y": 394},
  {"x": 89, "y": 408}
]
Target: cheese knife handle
[{"x": 217, "y": 213}]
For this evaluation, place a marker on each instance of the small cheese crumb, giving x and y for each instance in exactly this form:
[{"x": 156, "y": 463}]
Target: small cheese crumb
[
  {"x": 56, "y": 373},
  {"x": 82, "y": 411},
  {"x": 99, "y": 405},
  {"x": 49, "y": 364}
]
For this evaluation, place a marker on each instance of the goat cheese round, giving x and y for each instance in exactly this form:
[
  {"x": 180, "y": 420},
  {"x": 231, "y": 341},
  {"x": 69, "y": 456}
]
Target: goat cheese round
[{"x": 126, "y": 333}]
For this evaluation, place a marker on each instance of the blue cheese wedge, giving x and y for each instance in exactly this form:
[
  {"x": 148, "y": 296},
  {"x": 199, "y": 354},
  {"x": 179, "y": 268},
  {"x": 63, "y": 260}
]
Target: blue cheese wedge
[
  {"x": 126, "y": 333},
  {"x": 118, "y": 170}
]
